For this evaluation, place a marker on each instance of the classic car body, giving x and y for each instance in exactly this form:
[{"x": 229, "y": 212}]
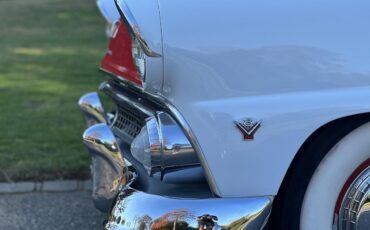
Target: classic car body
[{"x": 294, "y": 67}]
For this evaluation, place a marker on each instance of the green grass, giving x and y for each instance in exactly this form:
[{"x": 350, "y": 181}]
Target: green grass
[{"x": 49, "y": 54}]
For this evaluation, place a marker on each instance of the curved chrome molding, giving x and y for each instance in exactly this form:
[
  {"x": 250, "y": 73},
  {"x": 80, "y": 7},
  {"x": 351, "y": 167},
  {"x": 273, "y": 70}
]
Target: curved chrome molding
[
  {"x": 138, "y": 210},
  {"x": 194, "y": 142},
  {"x": 134, "y": 27},
  {"x": 109, "y": 88},
  {"x": 354, "y": 212},
  {"x": 108, "y": 167},
  {"x": 92, "y": 109}
]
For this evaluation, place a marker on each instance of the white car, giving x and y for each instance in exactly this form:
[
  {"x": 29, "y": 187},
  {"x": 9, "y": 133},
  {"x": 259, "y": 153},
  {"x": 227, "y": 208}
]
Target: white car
[{"x": 237, "y": 114}]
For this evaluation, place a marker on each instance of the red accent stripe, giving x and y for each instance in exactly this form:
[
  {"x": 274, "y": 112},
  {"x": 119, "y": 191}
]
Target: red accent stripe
[{"x": 118, "y": 59}]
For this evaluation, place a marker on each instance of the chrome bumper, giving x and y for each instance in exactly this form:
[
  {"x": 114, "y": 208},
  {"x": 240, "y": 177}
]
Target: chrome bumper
[
  {"x": 139, "y": 210},
  {"x": 114, "y": 184}
]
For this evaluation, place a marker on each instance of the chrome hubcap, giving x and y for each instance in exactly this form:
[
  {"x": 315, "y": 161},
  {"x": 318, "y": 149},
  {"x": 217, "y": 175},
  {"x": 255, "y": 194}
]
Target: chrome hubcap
[{"x": 354, "y": 212}]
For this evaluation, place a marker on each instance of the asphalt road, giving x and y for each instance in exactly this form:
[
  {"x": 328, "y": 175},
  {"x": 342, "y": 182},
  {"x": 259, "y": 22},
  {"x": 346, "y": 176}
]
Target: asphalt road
[
  {"x": 52, "y": 211},
  {"x": 56, "y": 211}
]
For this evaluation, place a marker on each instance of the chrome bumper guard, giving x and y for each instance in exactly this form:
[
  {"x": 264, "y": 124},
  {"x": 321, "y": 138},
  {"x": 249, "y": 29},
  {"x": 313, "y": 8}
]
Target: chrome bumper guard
[
  {"x": 108, "y": 168},
  {"x": 92, "y": 109},
  {"x": 139, "y": 210},
  {"x": 114, "y": 186}
]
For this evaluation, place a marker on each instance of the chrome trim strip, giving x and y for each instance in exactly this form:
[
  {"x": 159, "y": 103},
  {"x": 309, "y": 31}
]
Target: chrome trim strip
[
  {"x": 109, "y": 170},
  {"x": 92, "y": 108},
  {"x": 131, "y": 101},
  {"x": 171, "y": 109},
  {"x": 129, "y": 19},
  {"x": 139, "y": 210}
]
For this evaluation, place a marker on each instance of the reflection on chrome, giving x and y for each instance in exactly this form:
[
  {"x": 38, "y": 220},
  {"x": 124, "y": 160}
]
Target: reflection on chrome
[
  {"x": 120, "y": 92},
  {"x": 92, "y": 109},
  {"x": 108, "y": 166},
  {"x": 208, "y": 222},
  {"x": 354, "y": 212},
  {"x": 168, "y": 145},
  {"x": 139, "y": 210}
]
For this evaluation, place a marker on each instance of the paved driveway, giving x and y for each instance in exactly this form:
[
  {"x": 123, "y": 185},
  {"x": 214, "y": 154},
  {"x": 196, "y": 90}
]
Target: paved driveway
[
  {"x": 52, "y": 211},
  {"x": 56, "y": 211}
]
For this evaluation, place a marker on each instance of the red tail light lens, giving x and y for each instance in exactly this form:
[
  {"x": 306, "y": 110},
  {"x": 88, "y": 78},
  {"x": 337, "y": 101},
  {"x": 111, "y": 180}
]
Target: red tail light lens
[{"x": 118, "y": 60}]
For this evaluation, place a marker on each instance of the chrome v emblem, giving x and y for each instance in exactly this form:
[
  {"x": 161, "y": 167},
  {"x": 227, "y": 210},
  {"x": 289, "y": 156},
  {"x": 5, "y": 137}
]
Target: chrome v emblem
[{"x": 248, "y": 127}]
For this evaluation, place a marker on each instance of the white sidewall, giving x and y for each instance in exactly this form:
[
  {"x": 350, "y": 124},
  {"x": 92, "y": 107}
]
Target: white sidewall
[{"x": 326, "y": 183}]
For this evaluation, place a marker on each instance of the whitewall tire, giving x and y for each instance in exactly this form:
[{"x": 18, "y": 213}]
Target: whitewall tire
[
  {"x": 331, "y": 166},
  {"x": 325, "y": 186}
]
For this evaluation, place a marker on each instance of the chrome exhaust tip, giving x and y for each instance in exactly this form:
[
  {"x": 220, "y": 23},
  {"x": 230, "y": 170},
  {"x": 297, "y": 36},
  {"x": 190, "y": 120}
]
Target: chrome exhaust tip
[
  {"x": 92, "y": 108},
  {"x": 109, "y": 170}
]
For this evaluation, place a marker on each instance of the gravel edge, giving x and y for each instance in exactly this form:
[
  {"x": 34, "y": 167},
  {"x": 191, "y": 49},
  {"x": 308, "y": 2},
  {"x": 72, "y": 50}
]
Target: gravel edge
[{"x": 46, "y": 186}]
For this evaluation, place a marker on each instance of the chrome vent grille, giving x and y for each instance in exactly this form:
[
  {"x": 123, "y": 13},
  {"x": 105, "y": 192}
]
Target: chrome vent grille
[{"x": 128, "y": 123}]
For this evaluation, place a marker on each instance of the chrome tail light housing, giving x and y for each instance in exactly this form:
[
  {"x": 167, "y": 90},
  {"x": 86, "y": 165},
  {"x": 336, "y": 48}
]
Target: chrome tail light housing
[{"x": 162, "y": 145}]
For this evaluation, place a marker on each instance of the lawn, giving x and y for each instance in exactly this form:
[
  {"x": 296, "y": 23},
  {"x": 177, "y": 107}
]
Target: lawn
[{"x": 49, "y": 55}]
